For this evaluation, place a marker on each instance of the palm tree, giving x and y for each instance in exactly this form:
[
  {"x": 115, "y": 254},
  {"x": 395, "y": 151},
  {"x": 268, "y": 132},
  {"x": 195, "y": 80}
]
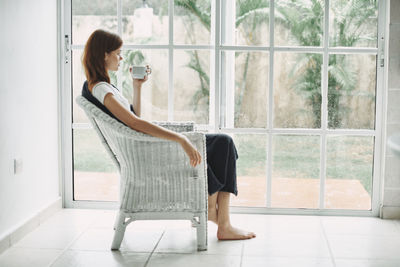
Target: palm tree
[
  {"x": 249, "y": 14},
  {"x": 353, "y": 21},
  {"x": 193, "y": 10},
  {"x": 304, "y": 20},
  {"x": 305, "y": 24}
]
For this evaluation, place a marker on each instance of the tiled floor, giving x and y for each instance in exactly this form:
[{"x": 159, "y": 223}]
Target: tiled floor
[{"x": 83, "y": 238}]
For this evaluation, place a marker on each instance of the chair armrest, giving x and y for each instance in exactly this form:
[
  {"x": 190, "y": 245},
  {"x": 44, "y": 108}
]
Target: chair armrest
[
  {"x": 176, "y": 126},
  {"x": 159, "y": 155}
]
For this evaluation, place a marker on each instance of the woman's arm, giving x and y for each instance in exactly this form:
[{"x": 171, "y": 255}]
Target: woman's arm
[
  {"x": 137, "y": 88},
  {"x": 144, "y": 126}
]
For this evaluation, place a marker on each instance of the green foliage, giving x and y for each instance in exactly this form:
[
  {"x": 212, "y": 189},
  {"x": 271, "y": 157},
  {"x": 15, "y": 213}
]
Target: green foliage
[
  {"x": 89, "y": 153},
  {"x": 199, "y": 9},
  {"x": 94, "y": 7},
  {"x": 304, "y": 21},
  {"x": 204, "y": 91},
  {"x": 250, "y": 14},
  {"x": 101, "y": 7},
  {"x": 194, "y": 10},
  {"x": 351, "y": 19},
  {"x": 256, "y": 10}
]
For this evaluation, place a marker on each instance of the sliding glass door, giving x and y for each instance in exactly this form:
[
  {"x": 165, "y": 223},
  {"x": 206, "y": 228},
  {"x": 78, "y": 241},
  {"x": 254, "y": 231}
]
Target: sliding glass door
[{"x": 296, "y": 83}]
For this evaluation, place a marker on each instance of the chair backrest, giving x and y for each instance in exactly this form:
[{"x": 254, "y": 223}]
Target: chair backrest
[
  {"x": 113, "y": 133},
  {"x": 95, "y": 116}
]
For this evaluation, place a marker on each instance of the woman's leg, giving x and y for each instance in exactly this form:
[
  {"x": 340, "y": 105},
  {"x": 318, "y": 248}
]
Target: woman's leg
[
  {"x": 212, "y": 208},
  {"x": 221, "y": 172},
  {"x": 225, "y": 230}
]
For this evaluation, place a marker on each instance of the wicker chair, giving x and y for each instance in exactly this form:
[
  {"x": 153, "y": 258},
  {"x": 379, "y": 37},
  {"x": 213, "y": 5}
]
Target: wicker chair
[{"x": 157, "y": 181}]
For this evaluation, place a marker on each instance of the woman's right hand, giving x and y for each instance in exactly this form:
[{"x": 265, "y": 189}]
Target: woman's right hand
[{"x": 191, "y": 151}]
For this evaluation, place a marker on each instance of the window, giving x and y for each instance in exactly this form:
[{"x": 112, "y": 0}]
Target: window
[{"x": 294, "y": 82}]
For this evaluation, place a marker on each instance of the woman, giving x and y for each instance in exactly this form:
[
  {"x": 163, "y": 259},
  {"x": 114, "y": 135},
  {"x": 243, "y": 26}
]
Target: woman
[{"x": 102, "y": 54}]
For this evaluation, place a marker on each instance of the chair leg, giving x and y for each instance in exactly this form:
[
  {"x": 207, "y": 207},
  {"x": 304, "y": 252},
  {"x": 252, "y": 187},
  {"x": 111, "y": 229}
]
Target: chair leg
[
  {"x": 119, "y": 231},
  {"x": 202, "y": 232}
]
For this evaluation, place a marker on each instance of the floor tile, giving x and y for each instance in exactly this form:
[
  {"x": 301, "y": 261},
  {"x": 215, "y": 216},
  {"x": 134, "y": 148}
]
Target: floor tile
[
  {"x": 289, "y": 245},
  {"x": 397, "y": 223},
  {"x": 84, "y": 237},
  {"x": 196, "y": 260},
  {"x": 104, "y": 220},
  {"x": 364, "y": 247},
  {"x": 72, "y": 258},
  {"x": 101, "y": 239},
  {"x": 49, "y": 237},
  {"x": 28, "y": 257},
  {"x": 286, "y": 262},
  {"x": 178, "y": 240},
  {"x": 226, "y": 247},
  {"x": 184, "y": 240},
  {"x": 78, "y": 218},
  {"x": 366, "y": 263},
  {"x": 277, "y": 224},
  {"x": 359, "y": 226}
]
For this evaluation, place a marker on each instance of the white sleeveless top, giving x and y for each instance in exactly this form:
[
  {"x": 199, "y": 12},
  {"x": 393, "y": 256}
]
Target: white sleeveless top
[{"x": 101, "y": 89}]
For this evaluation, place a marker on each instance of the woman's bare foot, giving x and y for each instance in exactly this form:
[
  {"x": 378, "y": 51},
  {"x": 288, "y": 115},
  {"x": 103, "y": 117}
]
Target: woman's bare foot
[
  {"x": 232, "y": 233},
  {"x": 213, "y": 215}
]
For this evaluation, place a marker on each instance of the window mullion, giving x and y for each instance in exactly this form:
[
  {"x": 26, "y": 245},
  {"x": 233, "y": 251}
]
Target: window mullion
[
  {"x": 171, "y": 61},
  {"x": 119, "y": 29},
  {"x": 324, "y": 108},
  {"x": 228, "y": 86},
  {"x": 212, "y": 70},
  {"x": 217, "y": 62},
  {"x": 270, "y": 109}
]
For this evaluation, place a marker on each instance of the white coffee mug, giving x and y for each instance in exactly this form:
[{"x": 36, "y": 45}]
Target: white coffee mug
[{"x": 139, "y": 72}]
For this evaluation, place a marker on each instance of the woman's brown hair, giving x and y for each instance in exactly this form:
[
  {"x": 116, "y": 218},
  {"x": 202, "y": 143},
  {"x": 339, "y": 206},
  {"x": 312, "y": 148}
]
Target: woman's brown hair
[{"x": 99, "y": 43}]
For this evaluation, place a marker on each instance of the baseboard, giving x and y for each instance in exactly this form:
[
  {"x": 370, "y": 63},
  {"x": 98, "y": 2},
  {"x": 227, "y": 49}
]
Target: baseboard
[
  {"x": 390, "y": 212},
  {"x": 18, "y": 232}
]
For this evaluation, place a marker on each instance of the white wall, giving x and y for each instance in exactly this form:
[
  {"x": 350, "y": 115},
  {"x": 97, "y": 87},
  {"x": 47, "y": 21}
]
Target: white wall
[
  {"x": 391, "y": 197},
  {"x": 28, "y": 109}
]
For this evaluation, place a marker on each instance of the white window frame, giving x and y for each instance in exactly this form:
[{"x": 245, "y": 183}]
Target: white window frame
[{"x": 221, "y": 102}]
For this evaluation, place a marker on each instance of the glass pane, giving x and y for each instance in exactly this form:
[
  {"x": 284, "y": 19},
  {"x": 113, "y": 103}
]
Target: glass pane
[
  {"x": 192, "y": 22},
  {"x": 145, "y": 23},
  {"x": 251, "y": 89},
  {"x": 351, "y": 92},
  {"x": 250, "y": 24},
  {"x": 297, "y": 90},
  {"x": 353, "y": 23},
  {"x": 88, "y": 16},
  {"x": 95, "y": 176},
  {"x": 299, "y": 22},
  {"x": 79, "y": 78},
  {"x": 349, "y": 172},
  {"x": 192, "y": 86},
  {"x": 154, "y": 94},
  {"x": 295, "y": 171},
  {"x": 251, "y": 170}
]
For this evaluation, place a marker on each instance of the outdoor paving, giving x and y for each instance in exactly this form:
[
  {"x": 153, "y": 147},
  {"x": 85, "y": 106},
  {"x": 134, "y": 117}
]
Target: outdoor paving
[{"x": 286, "y": 192}]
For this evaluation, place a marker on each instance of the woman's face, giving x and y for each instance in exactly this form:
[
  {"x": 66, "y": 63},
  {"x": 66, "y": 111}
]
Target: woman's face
[{"x": 112, "y": 60}]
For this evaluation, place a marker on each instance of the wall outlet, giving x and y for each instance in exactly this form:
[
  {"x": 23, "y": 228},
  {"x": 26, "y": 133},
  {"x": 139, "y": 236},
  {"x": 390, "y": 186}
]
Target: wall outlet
[{"x": 17, "y": 166}]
